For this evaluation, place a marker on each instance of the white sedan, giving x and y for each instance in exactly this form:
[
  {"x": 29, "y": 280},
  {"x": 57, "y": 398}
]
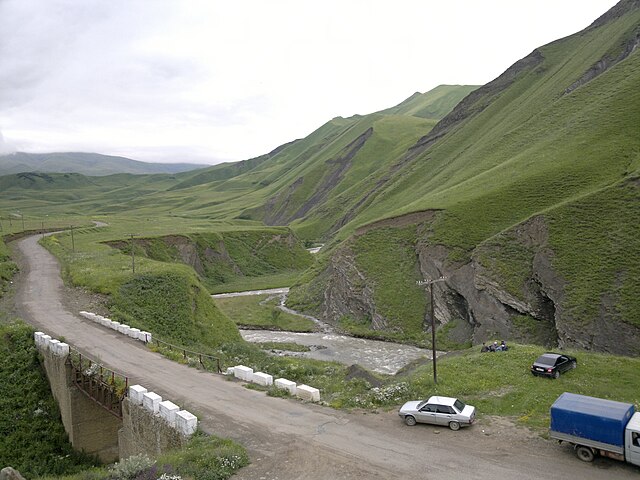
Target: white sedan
[{"x": 439, "y": 411}]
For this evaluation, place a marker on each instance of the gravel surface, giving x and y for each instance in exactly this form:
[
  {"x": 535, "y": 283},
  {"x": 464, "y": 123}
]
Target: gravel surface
[{"x": 288, "y": 439}]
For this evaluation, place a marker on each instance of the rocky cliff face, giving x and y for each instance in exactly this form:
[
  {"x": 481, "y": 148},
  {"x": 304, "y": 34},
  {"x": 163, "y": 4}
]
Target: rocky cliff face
[{"x": 483, "y": 303}]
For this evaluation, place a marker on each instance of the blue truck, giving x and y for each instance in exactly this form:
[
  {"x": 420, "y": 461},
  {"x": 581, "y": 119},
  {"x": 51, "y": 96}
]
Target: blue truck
[{"x": 596, "y": 426}]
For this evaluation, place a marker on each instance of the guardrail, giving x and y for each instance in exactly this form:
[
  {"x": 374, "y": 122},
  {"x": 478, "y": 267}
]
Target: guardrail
[
  {"x": 185, "y": 352},
  {"x": 103, "y": 385},
  {"x": 148, "y": 338}
]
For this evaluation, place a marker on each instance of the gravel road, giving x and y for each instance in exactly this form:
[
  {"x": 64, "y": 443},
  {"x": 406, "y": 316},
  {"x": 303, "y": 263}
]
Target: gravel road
[{"x": 287, "y": 439}]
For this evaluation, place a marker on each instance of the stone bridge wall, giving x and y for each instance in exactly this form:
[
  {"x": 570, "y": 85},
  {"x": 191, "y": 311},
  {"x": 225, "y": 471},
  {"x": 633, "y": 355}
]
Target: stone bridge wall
[
  {"x": 90, "y": 427},
  {"x": 149, "y": 425}
]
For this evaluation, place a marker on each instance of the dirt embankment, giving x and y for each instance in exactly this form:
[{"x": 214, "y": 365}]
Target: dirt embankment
[{"x": 494, "y": 295}]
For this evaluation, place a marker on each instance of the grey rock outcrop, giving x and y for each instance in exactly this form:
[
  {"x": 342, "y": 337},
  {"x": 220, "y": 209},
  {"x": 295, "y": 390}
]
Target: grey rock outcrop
[
  {"x": 479, "y": 302},
  {"x": 9, "y": 473}
]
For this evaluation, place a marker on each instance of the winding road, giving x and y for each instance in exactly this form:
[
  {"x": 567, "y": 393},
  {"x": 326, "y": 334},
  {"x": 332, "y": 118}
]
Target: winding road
[{"x": 287, "y": 439}]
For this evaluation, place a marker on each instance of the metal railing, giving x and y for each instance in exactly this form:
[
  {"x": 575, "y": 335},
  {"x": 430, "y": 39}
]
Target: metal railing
[
  {"x": 104, "y": 386},
  {"x": 185, "y": 354}
]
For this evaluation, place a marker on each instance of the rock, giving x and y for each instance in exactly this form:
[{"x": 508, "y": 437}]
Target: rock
[{"x": 9, "y": 473}]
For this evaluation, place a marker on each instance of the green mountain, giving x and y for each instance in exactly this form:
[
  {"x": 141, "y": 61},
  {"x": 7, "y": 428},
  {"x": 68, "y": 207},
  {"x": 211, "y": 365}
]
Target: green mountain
[
  {"x": 529, "y": 197},
  {"x": 92, "y": 164},
  {"x": 255, "y": 189}
]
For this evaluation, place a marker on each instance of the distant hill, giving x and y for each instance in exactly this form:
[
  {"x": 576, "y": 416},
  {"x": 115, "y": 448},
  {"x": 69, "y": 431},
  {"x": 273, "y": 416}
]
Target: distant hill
[{"x": 92, "y": 164}]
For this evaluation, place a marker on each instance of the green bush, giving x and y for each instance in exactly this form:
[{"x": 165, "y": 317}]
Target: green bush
[
  {"x": 174, "y": 306},
  {"x": 130, "y": 468},
  {"x": 32, "y": 438}
]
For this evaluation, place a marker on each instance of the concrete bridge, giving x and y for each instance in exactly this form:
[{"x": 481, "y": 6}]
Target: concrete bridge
[{"x": 105, "y": 416}]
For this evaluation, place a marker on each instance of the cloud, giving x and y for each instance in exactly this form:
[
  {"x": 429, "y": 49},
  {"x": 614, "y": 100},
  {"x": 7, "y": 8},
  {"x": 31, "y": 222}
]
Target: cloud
[
  {"x": 231, "y": 80},
  {"x": 5, "y": 147}
]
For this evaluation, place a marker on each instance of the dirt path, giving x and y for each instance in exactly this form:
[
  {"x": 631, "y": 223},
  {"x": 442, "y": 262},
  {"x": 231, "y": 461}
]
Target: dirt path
[{"x": 287, "y": 439}]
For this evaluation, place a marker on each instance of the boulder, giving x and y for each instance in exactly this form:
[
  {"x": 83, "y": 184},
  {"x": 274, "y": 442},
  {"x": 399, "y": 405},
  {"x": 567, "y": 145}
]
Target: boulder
[{"x": 9, "y": 473}]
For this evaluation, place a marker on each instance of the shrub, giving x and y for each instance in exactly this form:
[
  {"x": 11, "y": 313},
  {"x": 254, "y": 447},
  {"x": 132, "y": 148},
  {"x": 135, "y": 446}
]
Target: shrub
[{"x": 130, "y": 468}]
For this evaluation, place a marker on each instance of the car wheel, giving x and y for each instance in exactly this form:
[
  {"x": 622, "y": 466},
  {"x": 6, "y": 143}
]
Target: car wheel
[
  {"x": 556, "y": 374},
  {"x": 585, "y": 454},
  {"x": 409, "y": 420},
  {"x": 454, "y": 426}
]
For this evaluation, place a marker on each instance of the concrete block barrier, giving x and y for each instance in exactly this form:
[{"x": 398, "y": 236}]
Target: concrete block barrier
[
  {"x": 37, "y": 337},
  {"x": 186, "y": 422},
  {"x": 88, "y": 315},
  {"x": 134, "y": 333},
  {"x": 62, "y": 349},
  {"x": 307, "y": 393},
  {"x": 124, "y": 329},
  {"x": 136, "y": 393},
  {"x": 151, "y": 401},
  {"x": 168, "y": 411},
  {"x": 285, "y": 384},
  {"x": 263, "y": 379},
  {"x": 243, "y": 373},
  {"x": 52, "y": 345}
]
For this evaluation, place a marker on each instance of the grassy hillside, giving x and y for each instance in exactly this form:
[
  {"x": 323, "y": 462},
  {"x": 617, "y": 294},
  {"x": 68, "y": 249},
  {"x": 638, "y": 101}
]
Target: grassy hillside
[
  {"x": 225, "y": 260},
  {"x": 555, "y": 137},
  {"x": 92, "y": 164},
  {"x": 7, "y": 267},
  {"x": 433, "y": 105},
  {"x": 252, "y": 191},
  {"x": 167, "y": 299}
]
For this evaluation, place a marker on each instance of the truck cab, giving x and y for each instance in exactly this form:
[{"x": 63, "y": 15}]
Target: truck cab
[{"x": 632, "y": 440}]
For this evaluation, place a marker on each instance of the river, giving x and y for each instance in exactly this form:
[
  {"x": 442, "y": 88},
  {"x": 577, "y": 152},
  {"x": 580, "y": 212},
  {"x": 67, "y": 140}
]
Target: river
[{"x": 382, "y": 357}]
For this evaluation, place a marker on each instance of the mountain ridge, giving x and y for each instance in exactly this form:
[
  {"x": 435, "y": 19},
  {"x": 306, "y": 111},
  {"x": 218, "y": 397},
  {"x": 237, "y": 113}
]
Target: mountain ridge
[{"x": 91, "y": 164}]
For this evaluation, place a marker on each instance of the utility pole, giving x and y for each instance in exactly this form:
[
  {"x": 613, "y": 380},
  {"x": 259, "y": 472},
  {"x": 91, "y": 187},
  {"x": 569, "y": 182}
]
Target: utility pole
[
  {"x": 133, "y": 255},
  {"x": 433, "y": 322},
  {"x": 73, "y": 243}
]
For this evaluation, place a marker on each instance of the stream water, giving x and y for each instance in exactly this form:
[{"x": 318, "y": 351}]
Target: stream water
[{"x": 374, "y": 355}]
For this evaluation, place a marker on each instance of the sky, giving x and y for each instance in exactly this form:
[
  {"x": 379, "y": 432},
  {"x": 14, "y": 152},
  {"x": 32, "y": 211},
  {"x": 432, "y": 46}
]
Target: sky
[{"x": 208, "y": 81}]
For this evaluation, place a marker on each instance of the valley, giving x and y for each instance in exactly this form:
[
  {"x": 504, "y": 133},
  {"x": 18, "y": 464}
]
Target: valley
[
  {"x": 519, "y": 196},
  {"x": 290, "y": 437}
]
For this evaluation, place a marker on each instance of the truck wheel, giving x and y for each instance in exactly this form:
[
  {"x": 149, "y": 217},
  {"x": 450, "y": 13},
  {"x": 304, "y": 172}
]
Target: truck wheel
[
  {"x": 454, "y": 426},
  {"x": 585, "y": 453},
  {"x": 409, "y": 420}
]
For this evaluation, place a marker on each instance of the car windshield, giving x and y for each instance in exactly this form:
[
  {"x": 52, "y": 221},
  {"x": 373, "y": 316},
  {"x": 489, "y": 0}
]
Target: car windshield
[
  {"x": 421, "y": 404},
  {"x": 547, "y": 359},
  {"x": 459, "y": 405}
]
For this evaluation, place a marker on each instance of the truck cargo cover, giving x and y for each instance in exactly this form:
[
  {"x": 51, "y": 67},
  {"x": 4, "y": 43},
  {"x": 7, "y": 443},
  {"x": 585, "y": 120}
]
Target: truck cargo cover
[{"x": 591, "y": 418}]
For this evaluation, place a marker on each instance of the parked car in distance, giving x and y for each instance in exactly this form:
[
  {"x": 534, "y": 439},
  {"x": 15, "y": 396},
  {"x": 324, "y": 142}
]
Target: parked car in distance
[
  {"x": 439, "y": 411},
  {"x": 553, "y": 364}
]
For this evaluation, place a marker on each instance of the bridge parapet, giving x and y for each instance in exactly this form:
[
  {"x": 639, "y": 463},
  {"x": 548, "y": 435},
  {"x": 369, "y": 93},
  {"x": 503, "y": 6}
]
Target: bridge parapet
[{"x": 98, "y": 416}]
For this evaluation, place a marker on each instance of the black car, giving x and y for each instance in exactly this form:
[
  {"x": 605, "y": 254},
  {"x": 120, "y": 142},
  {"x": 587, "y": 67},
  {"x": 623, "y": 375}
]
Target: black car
[{"x": 553, "y": 364}]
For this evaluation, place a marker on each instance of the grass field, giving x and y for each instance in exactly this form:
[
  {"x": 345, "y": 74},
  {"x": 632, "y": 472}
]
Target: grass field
[
  {"x": 497, "y": 383},
  {"x": 256, "y": 312}
]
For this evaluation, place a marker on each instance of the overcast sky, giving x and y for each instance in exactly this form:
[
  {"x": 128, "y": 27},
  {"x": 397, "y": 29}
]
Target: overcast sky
[{"x": 210, "y": 81}]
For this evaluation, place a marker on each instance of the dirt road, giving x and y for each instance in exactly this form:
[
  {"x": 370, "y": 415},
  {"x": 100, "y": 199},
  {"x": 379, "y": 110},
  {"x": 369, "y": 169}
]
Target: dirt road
[{"x": 287, "y": 439}]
